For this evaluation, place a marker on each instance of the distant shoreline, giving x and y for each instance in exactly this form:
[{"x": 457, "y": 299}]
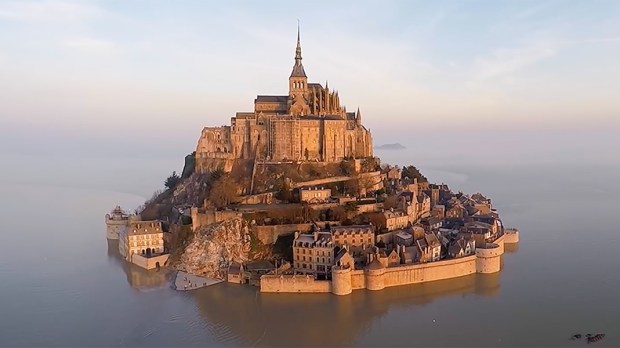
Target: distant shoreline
[{"x": 391, "y": 146}]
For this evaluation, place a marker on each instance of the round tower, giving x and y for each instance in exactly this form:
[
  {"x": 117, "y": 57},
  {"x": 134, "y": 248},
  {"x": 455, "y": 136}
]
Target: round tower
[
  {"x": 341, "y": 280},
  {"x": 488, "y": 258},
  {"x": 375, "y": 276}
]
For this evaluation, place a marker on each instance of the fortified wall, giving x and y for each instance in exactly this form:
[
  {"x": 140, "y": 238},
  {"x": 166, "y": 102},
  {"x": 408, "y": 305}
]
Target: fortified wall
[
  {"x": 208, "y": 217},
  {"x": 344, "y": 280},
  {"x": 269, "y": 234}
]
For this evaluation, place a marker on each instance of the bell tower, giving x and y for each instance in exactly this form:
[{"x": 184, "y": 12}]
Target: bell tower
[{"x": 298, "y": 85}]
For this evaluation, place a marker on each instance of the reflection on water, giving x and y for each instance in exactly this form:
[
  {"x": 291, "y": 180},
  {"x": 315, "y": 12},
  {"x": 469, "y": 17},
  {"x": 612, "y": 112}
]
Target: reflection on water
[
  {"x": 560, "y": 282},
  {"x": 511, "y": 248},
  {"x": 242, "y": 315},
  {"x": 137, "y": 277}
]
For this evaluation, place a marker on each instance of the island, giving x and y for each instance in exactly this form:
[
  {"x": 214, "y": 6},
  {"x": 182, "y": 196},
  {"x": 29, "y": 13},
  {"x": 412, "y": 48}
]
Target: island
[
  {"x": 290, "y": 197},
  {"x": 391, "y": 146}
]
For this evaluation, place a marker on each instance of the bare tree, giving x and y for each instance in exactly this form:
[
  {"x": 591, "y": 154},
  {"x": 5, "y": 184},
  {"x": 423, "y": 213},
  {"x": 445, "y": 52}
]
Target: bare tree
[{"x": 223, "y": 192}]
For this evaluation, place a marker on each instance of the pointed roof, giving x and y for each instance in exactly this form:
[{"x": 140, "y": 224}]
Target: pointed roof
[{"x": 298, "y": 68}]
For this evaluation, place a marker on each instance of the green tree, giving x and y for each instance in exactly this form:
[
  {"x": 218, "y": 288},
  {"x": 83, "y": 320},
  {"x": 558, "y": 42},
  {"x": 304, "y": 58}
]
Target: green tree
[
  {"x": 412, "y": 172},
  {"x": 285, "y": 193},
  {"x": 172, "y": 181}
]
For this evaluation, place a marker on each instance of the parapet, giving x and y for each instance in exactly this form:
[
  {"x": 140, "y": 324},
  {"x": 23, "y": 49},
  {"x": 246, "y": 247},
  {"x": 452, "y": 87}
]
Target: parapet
[{"x": 511, "y": 236}]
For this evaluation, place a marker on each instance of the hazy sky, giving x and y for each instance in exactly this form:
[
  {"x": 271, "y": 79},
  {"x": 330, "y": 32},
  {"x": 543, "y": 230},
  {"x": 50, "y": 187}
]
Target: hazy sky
[{"x": 156, "y": 72}]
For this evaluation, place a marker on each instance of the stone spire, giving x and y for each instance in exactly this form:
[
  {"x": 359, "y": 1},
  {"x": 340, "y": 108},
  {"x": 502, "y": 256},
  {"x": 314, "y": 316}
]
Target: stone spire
[{"x": 298, "y": 68}]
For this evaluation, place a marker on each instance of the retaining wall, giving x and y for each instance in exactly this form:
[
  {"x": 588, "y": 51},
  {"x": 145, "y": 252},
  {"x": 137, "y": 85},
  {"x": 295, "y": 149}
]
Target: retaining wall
[
  {"x": 149, "y": 262},
  {"x": 298, "y": 283}
]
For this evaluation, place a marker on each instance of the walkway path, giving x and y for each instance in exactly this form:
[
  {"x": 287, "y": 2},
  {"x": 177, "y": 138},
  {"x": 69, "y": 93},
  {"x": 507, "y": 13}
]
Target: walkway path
[{"x": 186, "y": 281}]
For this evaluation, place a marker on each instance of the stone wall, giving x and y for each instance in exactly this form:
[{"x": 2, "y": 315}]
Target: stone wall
[
  {"x": 269, "y": 234},
  {"x": 206, "y": 163},
  {"x": 345, "y": 280},
  {"x": 113, "y": 228},
  {"x": 261, "y": 198},
  {"x": 420, "y": 273},
  {"x": 358, "y": 279},
  {"x": 511, "y": 236},
  {"x": 204, "y": 218},
  {"x": 149, "y": 262},
  {"x": 290, "y": 283},
  {"x": 369, "y": 208}
]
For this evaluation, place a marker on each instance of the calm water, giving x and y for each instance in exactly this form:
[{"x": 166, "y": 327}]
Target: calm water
[{"x": 62, "y": 285}]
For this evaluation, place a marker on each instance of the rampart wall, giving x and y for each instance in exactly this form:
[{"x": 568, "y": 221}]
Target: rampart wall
[
  {"x": 260, "y": 198},
  {"x": 346, "y": 280},
  {"x": 290, "y": 283},
  {"x": 511, "y": 236},
  {"x": 210, "y": 217}
]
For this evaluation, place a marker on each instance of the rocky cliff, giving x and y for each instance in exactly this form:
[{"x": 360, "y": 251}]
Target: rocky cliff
[{"x": 214, "y": 247}]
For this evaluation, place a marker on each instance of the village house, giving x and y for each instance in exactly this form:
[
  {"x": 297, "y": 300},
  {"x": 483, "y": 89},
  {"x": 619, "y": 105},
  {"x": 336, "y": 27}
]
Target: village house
[
  {"x": 344, "y": 259},
  {"x": 429, "y": 247},
  {"x": 361, "y": 254},
  {"x": 313, "y": 253},
  {"x": 386, "y": 259},
  {"x": 393, "y": 259},
  {"x": 409, "y": 254},
  {"x": 439, "y": 211},
  {"x": 235, "y": 273},
  {"x": 432, "y": 223},
  {"x": 354, "y": 235},
  {"x": 252, "y": 271},
  {"x": 456, "y": 212},
  {"x": 403, "y": 238},
  {"x": 461, "y": 247},
  {"x": 390, "y": 220}
]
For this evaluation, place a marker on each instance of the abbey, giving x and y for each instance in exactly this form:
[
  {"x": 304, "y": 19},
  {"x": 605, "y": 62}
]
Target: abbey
[{"x": 308, "y": 124}]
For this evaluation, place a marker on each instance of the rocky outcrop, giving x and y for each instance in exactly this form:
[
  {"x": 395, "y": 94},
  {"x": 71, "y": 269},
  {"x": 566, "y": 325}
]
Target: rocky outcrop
[{"x": 214, "y": 247}]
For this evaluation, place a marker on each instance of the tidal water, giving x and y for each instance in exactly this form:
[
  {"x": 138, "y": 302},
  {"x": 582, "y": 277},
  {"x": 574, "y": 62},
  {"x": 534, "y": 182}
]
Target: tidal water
[{"x": 64, "y": 285}]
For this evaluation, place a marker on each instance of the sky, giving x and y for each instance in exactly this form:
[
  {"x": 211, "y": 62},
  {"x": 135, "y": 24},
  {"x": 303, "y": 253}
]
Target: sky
[{"x": 138, "y": 77}]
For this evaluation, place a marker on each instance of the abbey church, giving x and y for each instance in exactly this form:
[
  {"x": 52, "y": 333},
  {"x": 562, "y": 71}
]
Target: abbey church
[{"x": 308, "y": 124}]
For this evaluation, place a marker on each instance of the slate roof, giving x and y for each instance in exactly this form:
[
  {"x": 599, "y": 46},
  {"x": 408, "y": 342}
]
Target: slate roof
[
  {"x": 298, "y": 71},
  {"x": 271, "y": 99}
]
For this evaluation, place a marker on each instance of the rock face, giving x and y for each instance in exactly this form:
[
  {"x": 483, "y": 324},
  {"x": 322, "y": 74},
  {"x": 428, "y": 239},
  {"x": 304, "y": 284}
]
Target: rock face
[{"x": 214, "y": 247}]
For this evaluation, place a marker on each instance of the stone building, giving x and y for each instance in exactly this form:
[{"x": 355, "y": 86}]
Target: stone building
[
  {"x": 462, "y": 247},
  {"x": 314, "y": 194},
  {"x": 403, "y": 238},
  {"x": 313, "y": 253},
  {"x": 144, "y": 238},
  {"x": 429, "y": 248},
  {"x": 355, "y": 235},
  {"x": 308, "y": 124},
  {"x": 390, "y": 220},
  {"x": 116, "y": 221}
]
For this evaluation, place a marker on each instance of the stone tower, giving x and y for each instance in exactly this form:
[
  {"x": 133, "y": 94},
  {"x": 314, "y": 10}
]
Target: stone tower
[{"x": 298, "y": 85}]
